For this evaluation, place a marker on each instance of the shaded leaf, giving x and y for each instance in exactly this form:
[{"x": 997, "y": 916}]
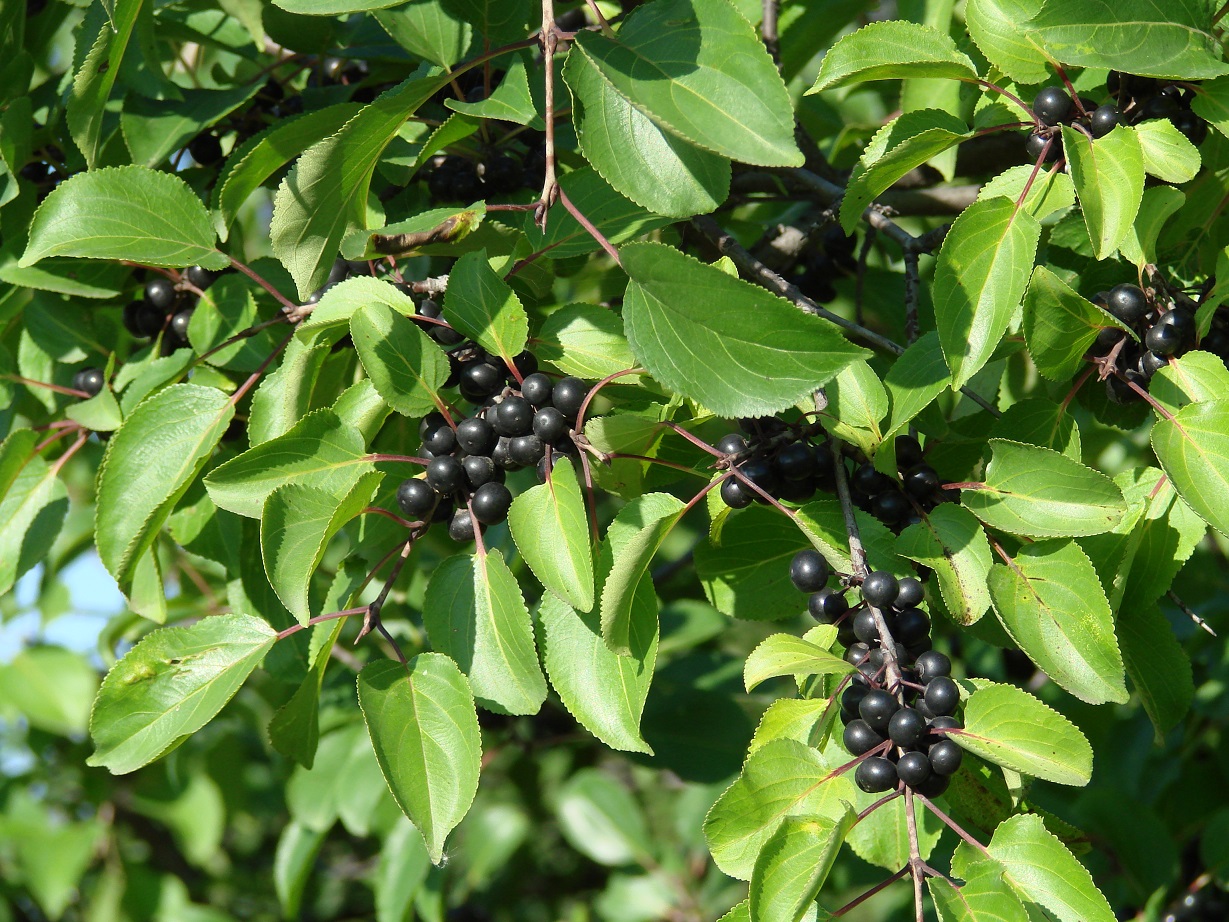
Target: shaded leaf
[{"x": 550, "y": 530}]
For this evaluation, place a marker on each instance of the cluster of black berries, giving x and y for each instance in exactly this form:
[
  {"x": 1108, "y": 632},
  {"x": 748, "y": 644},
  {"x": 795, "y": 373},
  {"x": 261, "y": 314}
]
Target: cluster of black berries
[
  {"x": 467, "y": 462},
  {"x": 833, "y": 256},
  {"x": 454, "y": 178},
  {"x": 779, "y": 459},
  {"x": 168, "y": 306},
  {"x": 1140, "y": 99},
  {"x": 903, "y": 730},
  {"x": 898, "y": 503},
  {"x": 1164, "y": 324}
]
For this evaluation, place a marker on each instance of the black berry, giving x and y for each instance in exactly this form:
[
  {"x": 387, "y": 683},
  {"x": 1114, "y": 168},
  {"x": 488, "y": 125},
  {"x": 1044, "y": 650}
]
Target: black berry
[
  {"x": 441, "y": 440},
  {"x": 480, "y": 469},
  {"x": 549, "y": 425},
  {"x": 461, "y": 526},
  {"x": 864, "y": 626},
  {"x": 910, "y": 593},
  {"x": 735, "y": 495},
  {"x": 877, "y": 709},
  {"x": 1163, "y": 339},
  {"x": 875, "y": 775},
  {"x": 1128, "y": 303},
  {"x": 490, "y": 503},
  {"x": 827, "y": 605},
  {"x": 526, "y": 450},
  {"x": 480, "y": 381},
  {"x": 445, "y": 474},
  {"x": 913, "y": 768},
  {"x": 911, "y": 625},
  {"x": 537, "y": 388},
  {"x": 200, "y": 277},
  {"x": 731, "y": 444},
  {"x": 1052, "y": 105},
  {"x": 796, "y": 461},
  {"x": 880, "y": 589},
  {"x": 1036, "y": 146},
  {"x": 859, "y": 738},
  {"x": 514, "y": 416},
  {"x": 568, "y": 394},
  {"x": 945, "y": 757},
  {"x": 1104, "y": 120},
  {"x": 160, "y": 293},
  {"x": 908, "y": 452},
  {"x": 416, "y": 498},
  {"x": 942, "y": 696},
  {"x": 932, "y": 786},
  {"x": 809, "y": 571},
  {"x": 921, "y": 482},
  {"x": 143, "y": 319},
  {"x": 90, "y": 380},
  {"x": 932, "y": 664},
  {"x": 476, "y": 436},
  {"x": 180, "y": 323},
  {"x": 907, "y": 727}
]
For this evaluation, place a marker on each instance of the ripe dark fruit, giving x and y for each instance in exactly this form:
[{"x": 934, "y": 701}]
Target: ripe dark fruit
[
  {"x": 945, "y": 723},
  {"x": 1104, "y": 120},
  {"x": 476, "y": 436},
  {"x": 945, "y": 757},
  {"x": 205, "y": 149},
  {"x": 909, "y": 593},
  {"x": 869, "y": 481},
  {"x": 880, "y": 588},
  {"x": 933, "y": 786},
  {"x": 537, "y": 388},
  {"x": 441, "y": 440},
  {"x": 480, "y": 380},
  {"x": 1035, "y": 147},
  {"x": 89, "y": 380},
  {"x": 796, "y": 461},
  {"x": 1161, "y": 105},
  {"x": 932, "y": 664},
  {"x": 827, "y": 605},
  {"x": 731, "y": 444},
  {"x": 913, "y": 768},
  {"x": 875, "y": 775},
  {"x": 921, "y": 482},
  {"x": 1163, "y": 339},
  {"x": 200, "y": 277},
  {"x": 1182, "y": 320},
  {"x": 877, "y": 709},
  {"x": 942, "y": 696},
  {"x": 809, "y": 571},
  {"x": 735, "y": 495},
  {"x": 445, "y": 475},
  {"x": 1191, "y": 125},
  {"x": 526, "y": 450},
  {"x": 856, "y": 654},
  {"x": 179, "y": 324},
  {"x": 461, "y": 526},
  {"x": 907, "y": 727},
  {"x": 1052, "y": 105},
  {"x": 549, "y": 425},
  {"x": 890, "y": 507},
  {"x": 526, "y": 363},
  {"x": 908, "y": 452},
  {"x": 431, "y": 422},
  {"x": 567, "y": 396},
  {"x": 446, "y": 336},
  {"x": 480, "y": 469},
  {"x": 416, "y": 498},
  {"x": 490, "y": 503},
  {"x": 859, "y": 738},
  {"x": 1128, "y": 303},
  {"x": 761, "y": 474},
  {"x": 143, "y": 319},
  {"x": 864, "y": 626},
  {"x": 160, "y": 293},
  {"x": 912, "y": 625},
  {"x": 514, "y": 416}
]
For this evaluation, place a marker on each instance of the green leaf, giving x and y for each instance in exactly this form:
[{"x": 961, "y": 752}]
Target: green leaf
[
  {"x": 784, "y": 654},
  {"x": 283, "y": 396},
  {"x": 603, "y": 690},
  {"x": 617, "y": 218},
  {"x": 150, "y": 463},
  {"x": 586, "y": 341},
  {"x": 1051, "y": 603},
  {"x": 251, "y": 164},
  {"x": 794, "y": 864},
  {"x": 434, "y": 230},
  {"x": 685, "y": 320},
  {"x": 33, "y": 504},
  {"x": 1040, "y": 421},
  {"x": 128, "y": 212},
  {"x": 510, "y": 101},
  {"x": 782, "y": 778},
  {"x": 891, "y": 50},
  {"x": 1048, "y": 193},
  {"x": 858, "y": 401},
  {"x": 602, "y": 820},
  {"x": 1041, "y": 493},
  {"x": 983, "y": 897},
  {"x": 294, "y": 730},
  {"x": 699, "y": 71},
  {"x": 549, "y": 527},
  {"x": 631, "y": 541},
  {"x": 403, "y": 869},
  {"x": 1059, "y": 325},
  {"x": 791, "y": 718},
  {"x": 333, "y": 7},
  {"x": 1193, "y": 448},
  {"x": 1041, "y": 870},
  {"x": 882, "y": 838},
  {"x": 1168, "y": 155},
  {"x": 321, "y": 450},
  {"x": 296, "y": 526},
  {"x": 51, "y": 687},
  {"x": 154, "y": 129},
  {"x": 424, "y": 728},
  {"x": 915, "y": 379},
  {"x": 1109, "y": 180},
  {"x": 950, "y": 541},
  {"x": 405, "y": 365},
  {"x": 1158, "y": 205},
  {"x": 1009, "y": 727},
  {"x": 474, "y": 613},
  {"x": 91, "y": 87},
  {"x": 326, "y": 192},
  {"x": 997, "y": 26},
  {"x": 981, "y": 274},
  {"x": 1150, "y": 38},
  {"x": 426, "y": 28},
  {"x": 332, "y": 314},
  {"x": 903, "y": 144},
  {"x": 484, "y": 307},
  {"x": 652, "y": 167},
  {"x": 170, "y": 685},
  {"x": 1158, "y": 666},
  {"x": 1211, "y": 103},
  {"x": 225, "y": 310},
  {"x": 1193, "y": 377},
  {"x": 296, "y": 852}
]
